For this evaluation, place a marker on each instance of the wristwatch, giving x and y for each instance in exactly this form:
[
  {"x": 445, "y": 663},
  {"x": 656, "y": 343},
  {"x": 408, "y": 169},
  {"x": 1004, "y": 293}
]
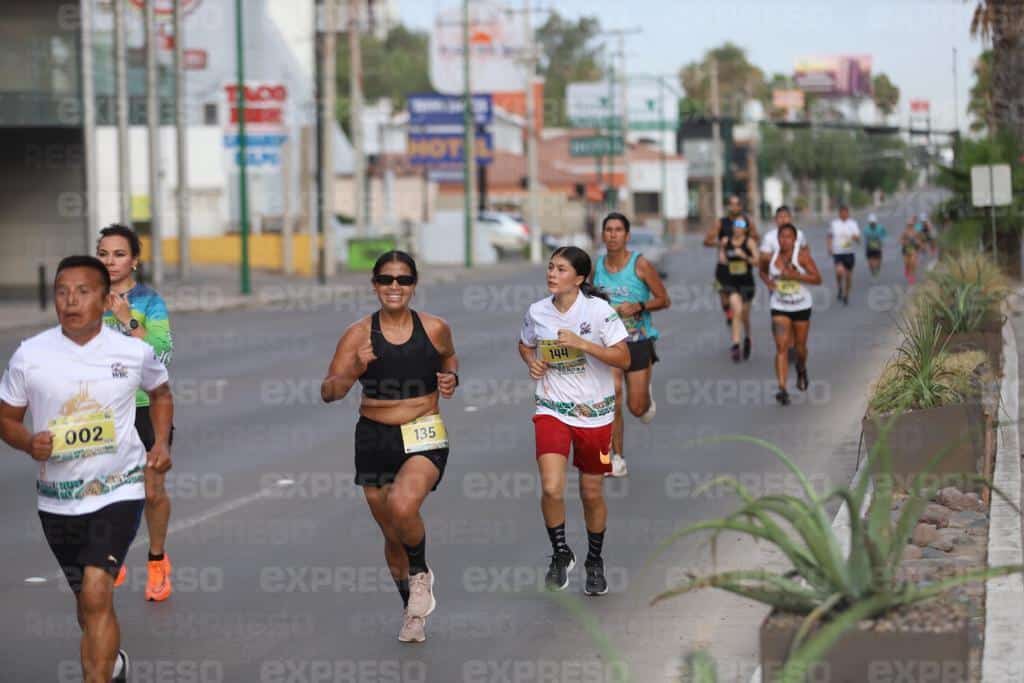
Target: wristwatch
[
  {"x": 132, "y": 325},
  {"x": 643, "y": 306},
  {"x": 454, "y": 374}
]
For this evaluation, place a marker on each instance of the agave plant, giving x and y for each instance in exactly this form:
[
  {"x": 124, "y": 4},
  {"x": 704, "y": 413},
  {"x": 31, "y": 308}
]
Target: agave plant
[
  {"x": 833, "y": 589},
  {"x": 920, "y": 375},
  {"x": 700, "y": 668}
]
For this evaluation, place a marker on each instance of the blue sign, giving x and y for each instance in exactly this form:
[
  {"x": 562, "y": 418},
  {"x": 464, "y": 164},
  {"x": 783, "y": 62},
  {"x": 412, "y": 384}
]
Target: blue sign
[
  {"x": 428, "y": 109},
  {"x": 427, "y": 149}
]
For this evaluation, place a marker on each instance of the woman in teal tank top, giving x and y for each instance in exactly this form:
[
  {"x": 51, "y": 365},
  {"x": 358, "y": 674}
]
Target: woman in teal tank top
[{"x": 634, "y": 289}]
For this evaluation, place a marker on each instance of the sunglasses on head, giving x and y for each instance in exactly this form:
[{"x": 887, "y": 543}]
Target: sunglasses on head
[{"x": 386, "y": 280}]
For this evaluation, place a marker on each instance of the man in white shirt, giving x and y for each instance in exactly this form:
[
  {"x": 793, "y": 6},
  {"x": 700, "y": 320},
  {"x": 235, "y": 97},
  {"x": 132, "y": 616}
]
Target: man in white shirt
[
  {"x": 79, "y": 380},
  {"x": 770, "y": 241},
  {"x": 843, "y": 238}
]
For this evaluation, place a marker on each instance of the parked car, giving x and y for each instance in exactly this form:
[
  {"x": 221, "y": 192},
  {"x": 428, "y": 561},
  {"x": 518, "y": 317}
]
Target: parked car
[
  {"x": 649, "y": 244},
  {"x": 507, "y": 234}
]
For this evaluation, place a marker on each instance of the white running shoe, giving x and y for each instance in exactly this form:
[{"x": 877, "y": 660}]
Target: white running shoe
[
  {"x": 421, "y": 594},
  {"x": 618, "y": 466},
  {"x": 413, "y": 629},
  {"x": 652, "y": 409}
]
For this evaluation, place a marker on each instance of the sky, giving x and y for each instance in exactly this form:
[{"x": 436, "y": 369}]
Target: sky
[{"x": 911, "y": 40}]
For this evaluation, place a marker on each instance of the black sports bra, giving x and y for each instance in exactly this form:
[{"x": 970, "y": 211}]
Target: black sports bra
[{"x": 406, "y": 370}]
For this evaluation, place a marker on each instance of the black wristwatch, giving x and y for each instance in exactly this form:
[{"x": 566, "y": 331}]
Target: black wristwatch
[
  {"x": 132, "y": 325},
  {"x": 455, "y": 374},
  {"x": 643, "y": 306}
]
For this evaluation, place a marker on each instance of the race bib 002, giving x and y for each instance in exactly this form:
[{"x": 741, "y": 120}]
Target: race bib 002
[
  {"x": 554, "y": 353},
  {"x": 83, "y": 436},
  {"x": 426, "y": 433}
]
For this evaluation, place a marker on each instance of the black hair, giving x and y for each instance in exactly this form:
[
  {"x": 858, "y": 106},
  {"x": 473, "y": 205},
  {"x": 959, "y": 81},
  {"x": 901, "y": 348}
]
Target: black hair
[
  {"x": 783, "y": 208},
  {"x": 789, "y": 226},
  {"x": 395, "y": 255},
  {"x": 615, "y": 216},
  {"x": 83, "y": 261},
  {"x": 844, "y": 207},
  {"x": 580, "y": 262},
  {"x": 118, "y": 230}
]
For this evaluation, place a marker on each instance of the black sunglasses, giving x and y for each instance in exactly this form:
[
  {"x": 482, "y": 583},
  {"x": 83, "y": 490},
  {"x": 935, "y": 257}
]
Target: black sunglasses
[{"x": 386, "y": 280}]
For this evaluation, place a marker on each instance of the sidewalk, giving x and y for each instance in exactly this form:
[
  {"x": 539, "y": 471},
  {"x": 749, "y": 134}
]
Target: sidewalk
[{"x": 217, "y": 288}]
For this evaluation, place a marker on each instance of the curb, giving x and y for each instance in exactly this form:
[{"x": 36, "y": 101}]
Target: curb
[{"x": 1000, "y": 659}]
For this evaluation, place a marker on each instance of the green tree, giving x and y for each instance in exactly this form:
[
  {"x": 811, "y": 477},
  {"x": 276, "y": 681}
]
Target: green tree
[
  {"x": 980, "y": 106},
  {"x": 1001, "y": 22},
  {"x": 392, "y": 68},
  {"x": 738, "y": 80},
  {"x": 567, "y": 54},
  {"x": 885, "y": 94}
]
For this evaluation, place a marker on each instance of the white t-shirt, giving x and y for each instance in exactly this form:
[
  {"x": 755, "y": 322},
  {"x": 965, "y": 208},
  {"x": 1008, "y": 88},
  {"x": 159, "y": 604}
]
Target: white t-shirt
[
  {"x": 85, "y": 396},
  {"x": 770, "y": 242},
  {"x": 578, "y": 389},
  {"x": 843, "y": 233}
]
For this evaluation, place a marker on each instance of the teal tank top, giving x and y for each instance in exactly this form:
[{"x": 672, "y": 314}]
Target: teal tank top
[{"x": 626, "y": 286}]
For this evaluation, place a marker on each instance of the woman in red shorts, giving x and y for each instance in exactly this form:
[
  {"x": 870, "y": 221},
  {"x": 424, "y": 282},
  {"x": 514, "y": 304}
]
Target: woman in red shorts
[{"x": 570, "y": 341}]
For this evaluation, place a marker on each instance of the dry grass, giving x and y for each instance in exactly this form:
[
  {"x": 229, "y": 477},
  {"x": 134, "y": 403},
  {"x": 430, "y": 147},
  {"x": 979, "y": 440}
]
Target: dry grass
[{"x": 958, "y": 376}]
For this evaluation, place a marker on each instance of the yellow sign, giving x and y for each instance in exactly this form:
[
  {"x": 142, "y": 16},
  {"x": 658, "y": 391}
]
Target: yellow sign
[
  {"x": 426, "y": 433},
  {"x": 140, "y": 207}
]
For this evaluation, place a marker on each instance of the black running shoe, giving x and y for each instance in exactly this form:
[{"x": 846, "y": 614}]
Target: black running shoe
[
  {"x": 801, "y": 377},
  {"x": 557, "y": 577},
  {"x": 123, "y": 676},
  {"x": 596, "y": 583},
  {"x": 735, "y": 352},
  {"x": 782, "y": 397},
  {"x": 746, "y": 348}
]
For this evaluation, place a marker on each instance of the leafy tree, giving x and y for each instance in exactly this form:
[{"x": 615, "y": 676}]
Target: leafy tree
[
  {"x": 738, "y": 80},
  {"x": 567, "y": 53},
  {"x": 1001, "y": 22},
  {"x": 980, "y": 105},
  {"x": 885, "y": 94}
]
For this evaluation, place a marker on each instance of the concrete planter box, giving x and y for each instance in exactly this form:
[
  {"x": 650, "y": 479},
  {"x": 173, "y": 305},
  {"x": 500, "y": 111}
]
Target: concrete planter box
[
  {"x": 868, "y": 655},
  {"x": 916, "y": 437}
]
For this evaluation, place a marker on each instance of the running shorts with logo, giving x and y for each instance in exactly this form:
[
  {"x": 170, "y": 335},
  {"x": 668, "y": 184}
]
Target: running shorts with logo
[{"x": 591, "y": 447}]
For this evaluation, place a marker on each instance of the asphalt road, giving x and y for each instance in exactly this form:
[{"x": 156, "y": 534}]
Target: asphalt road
[{"x": 280, "y": 574}]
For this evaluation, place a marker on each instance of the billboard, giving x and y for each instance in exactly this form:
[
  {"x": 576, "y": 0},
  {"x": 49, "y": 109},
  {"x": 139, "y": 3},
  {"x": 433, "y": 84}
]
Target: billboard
[
  {"x": 835, "y": 75},
  {"x": 429, "y": 109},
  {"x": 588, "y": 105},
  {"x": 439, "y": 149},
  {"x": 497, "y": 41},
  {"x": 265, "y": 131}
]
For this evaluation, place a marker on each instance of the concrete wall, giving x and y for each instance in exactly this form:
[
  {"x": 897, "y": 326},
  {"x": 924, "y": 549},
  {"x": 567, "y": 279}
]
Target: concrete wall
[{"x": 42, "y": 212}]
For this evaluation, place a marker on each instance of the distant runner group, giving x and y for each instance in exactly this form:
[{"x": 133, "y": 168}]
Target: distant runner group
[{"x": 102, "y": 411}]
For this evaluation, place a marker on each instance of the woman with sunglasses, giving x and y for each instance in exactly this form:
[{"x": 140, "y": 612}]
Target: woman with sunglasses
[
  {"x": 404, "y": 360},
  {"x": 570, "y": 341}
]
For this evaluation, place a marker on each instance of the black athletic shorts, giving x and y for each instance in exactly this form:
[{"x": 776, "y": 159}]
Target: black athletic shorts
[
  {"x": 144, "y": 426},
  {"x": 641, "y": 355},
  {"x": 380, "y": 454},
  {"x": 721, "y": 275},
  {"x": 796, "y": 316},
  {"x": 873, "y": 253},
  {"x": 846, "y": 260},
  {"x": 745, "y": 288},
  {"x": 98, "y": 539}
]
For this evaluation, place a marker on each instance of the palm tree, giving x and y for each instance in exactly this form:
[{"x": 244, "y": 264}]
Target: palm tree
[{"x": 1002, "y": 23}]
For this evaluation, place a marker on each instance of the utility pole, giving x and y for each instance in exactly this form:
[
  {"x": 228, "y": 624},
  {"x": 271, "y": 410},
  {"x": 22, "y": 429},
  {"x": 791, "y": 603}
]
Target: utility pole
[
  {"x": 327, "y": 92},
  {"x": 153, "y": 134},
  {"x": 88, "y": 93},
  {"x": 956, "y": 95},
  {"x": 623, "y": 120},
  {"x": 356, "y": 115},
  {"x": 181, "y": 139},
  {"x": 661, "y": 148},
  {"x": 716, "y": 141},
  {"x": 469, "y": 139},
  {"x": 243, "y": 190},
  {"x": 532, "y": 170},
  {"x": 124, "y": 150}
]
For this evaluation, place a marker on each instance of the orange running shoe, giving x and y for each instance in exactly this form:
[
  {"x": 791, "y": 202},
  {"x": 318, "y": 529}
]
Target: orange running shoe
[
  {"x": 158, "y": 581},
  {"x": 121, "y": 576}
]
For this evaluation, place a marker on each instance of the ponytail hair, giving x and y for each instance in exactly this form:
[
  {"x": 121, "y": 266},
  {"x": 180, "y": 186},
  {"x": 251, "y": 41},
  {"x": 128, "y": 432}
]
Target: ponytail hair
[{"x": 580, "y": 262}]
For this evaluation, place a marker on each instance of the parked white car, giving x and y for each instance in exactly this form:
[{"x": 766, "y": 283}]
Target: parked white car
[{"x": 507, "y": 234}]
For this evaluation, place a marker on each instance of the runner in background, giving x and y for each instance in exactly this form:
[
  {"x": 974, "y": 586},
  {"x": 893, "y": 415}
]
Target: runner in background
[
  {"x": 713, "y": 238},
  {"x": 739, "y": 253},
  {"x": 843, "y": 237},
  {"x": 635, "y": 289},
  {"x": 874, "y": 240},
  {"x": 911, "y": 244},
  {"x": 138, "y": 311}
]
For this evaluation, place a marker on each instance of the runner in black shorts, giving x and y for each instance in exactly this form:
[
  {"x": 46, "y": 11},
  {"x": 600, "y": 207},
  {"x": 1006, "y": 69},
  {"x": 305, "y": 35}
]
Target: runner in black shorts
[
  {"x": 405, "y": 360},
  {"x": 713, "y": 238},
  {"x": 740, "y": 256}
]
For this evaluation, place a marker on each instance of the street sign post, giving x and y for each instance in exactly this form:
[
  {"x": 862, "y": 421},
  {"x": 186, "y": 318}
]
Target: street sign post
[
  {"x": 597, "y": 146},
  {"x": 991, "y": 186}
]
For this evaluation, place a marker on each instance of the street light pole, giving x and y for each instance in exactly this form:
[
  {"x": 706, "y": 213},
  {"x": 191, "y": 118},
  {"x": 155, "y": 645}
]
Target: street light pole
[
  {"x": 153, "y": 125},
  {"x": 716, "y": 141},
  {"x": 181, "y": 140},
  {"x": 355, "y": 92},
  {"x": 88, "y": 93},
  {"x": 328, "y": 90},
  {"x": 532, "y": 170},
  {"x": 124, "y": 174},
  {"x": 243, "y": 191},
  {"x": 469, "y": 139}
]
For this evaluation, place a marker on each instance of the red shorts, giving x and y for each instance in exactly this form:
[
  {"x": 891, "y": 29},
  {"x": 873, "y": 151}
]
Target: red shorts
[{"x": 591, "y": 446}]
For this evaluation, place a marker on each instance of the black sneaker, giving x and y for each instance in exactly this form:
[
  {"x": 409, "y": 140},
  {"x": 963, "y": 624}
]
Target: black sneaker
[
  {"x": 746, "y": 348},
  {"x": 782, "y": 397},
  {"x": 735, "y": 353},
  {"x": 123, "y": 676},
  {"x": 557, "y": 577},
  {"x": 596, "y": 583},
  {"x": 801, "y": 377}
]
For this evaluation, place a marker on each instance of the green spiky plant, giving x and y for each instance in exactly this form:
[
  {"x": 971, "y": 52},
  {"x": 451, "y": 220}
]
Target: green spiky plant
[
  {"x": 833, "y": 590},
  {"x": 699, "y": 667}
]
